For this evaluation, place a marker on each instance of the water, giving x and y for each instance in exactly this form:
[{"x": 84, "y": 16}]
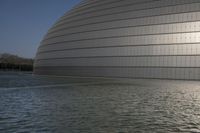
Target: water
[{"x": 42, "y": 104}]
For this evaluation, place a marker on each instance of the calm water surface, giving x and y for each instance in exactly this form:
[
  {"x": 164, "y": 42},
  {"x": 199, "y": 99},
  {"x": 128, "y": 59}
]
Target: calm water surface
[{"x": 41, "y": 104}]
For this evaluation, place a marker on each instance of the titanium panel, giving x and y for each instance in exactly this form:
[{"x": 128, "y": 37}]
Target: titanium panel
[{"x": 156, "y": 39}]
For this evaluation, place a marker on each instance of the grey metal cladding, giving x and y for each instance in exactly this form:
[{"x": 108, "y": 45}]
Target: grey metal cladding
[{"x": 156, "y": 39}]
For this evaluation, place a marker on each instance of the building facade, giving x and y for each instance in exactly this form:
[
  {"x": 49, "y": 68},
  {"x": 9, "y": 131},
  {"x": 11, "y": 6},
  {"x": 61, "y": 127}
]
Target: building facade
[{"x": 156, "y": 39}]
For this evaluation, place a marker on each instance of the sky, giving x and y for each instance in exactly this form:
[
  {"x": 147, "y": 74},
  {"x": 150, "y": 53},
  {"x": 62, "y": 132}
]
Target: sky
[{"x": 23, "y": 23}]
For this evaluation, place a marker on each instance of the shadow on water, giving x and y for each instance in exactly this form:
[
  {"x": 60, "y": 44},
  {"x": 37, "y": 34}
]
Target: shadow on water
[{"x": 31, "y": 103}]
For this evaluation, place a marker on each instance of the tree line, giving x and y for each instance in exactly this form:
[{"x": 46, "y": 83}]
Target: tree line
[{"x": 15, "y": 63}]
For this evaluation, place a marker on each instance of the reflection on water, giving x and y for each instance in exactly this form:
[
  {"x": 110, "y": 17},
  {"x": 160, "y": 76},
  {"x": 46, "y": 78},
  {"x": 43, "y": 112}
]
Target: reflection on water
[{"x": 62, "y": 105}]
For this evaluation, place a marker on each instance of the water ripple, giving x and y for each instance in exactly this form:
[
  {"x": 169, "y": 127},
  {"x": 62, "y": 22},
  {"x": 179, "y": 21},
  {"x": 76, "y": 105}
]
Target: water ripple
[{"x": 98, "y": 106}]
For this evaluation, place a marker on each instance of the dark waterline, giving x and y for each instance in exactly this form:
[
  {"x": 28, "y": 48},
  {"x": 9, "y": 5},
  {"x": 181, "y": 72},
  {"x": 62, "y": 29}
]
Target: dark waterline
[{"x": 38, "y": 104}]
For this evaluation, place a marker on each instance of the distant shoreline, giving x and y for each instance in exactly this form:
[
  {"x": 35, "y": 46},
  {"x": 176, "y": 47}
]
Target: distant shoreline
[
  {"x": 9, "y": 62},
  {"x": 15, "y": 67}
]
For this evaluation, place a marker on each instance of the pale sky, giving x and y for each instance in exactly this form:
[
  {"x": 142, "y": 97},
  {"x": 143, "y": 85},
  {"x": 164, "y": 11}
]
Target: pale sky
[{"x": 23, "y": 23}]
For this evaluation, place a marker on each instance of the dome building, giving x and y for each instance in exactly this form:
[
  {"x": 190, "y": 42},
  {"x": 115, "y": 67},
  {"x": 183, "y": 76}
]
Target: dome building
[{"x": 151, "y": 39}]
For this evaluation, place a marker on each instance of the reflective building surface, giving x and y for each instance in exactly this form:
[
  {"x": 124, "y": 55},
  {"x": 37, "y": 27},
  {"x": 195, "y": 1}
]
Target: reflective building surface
[{"x": 157, "y": 39}]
